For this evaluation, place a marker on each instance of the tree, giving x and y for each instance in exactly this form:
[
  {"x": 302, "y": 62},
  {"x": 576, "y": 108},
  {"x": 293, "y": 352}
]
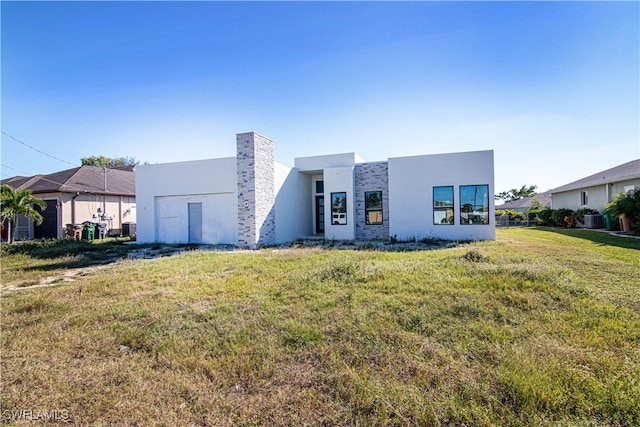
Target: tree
[
  {"x": 536, "y": 206},
  {"x": 19, "y": 202},
  {"x": 515, "y": 194},
  {"x": 109, "y": 162}
]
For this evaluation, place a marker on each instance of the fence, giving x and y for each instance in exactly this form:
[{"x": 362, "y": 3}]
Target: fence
[{"x": 507, "y": 221}]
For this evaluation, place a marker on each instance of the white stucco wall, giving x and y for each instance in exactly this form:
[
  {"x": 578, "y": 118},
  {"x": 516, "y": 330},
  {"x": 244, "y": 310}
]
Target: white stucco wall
[
  {"x": 598, "y": 195},
  {"x": 218, "y": 218},
  {"x": 317, "y": 163},
  {"x": 213, "y": 182},
  {"x": 411, "y": 182},
  {"x": 338, "y": 180},
  {"x": 618, "y": 187},
  {"x": 293, "y": 191}
]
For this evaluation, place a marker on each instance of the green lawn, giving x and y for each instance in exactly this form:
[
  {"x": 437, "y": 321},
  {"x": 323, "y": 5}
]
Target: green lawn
[{"x": 541, "y": 327}]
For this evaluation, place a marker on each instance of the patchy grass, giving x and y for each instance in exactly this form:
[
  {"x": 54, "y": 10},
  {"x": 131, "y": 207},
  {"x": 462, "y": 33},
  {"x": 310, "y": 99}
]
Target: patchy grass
[
  {"x": 538, "y": 328},
  {"x": 28, "y": 262}
]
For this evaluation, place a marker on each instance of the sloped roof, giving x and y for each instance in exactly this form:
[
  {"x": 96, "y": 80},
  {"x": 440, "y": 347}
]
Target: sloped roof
[
  {"x": 623, "y": 172},
  {"x": 83, "y": 179},
  {"x": 526, "y": 202}
]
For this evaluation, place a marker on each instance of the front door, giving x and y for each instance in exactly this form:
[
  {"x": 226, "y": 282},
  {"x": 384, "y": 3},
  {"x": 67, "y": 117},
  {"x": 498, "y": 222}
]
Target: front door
[
  {"x": 195, "y": 222},
  {"x": 319, "y": 214}
]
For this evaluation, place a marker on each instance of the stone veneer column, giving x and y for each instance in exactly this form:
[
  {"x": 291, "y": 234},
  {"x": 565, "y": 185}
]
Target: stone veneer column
[
  {"x": 256, "y": 190},
  {"x": 371, "y": 177}
]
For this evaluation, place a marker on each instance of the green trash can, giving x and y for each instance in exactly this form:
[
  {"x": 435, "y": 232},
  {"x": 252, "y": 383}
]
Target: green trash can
[
  {"x": 89, "y": 232},
  {"x": 610, "y": 223}
]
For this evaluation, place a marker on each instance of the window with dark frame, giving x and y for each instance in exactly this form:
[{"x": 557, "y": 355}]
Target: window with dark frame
[
  {"x": 443, "y": 209},
  {"x": 474, "y": 204},
  {"x": 373, "y": 207},
  {"x": 584, "y": 198},
  {"x": 339, "y": 208}
]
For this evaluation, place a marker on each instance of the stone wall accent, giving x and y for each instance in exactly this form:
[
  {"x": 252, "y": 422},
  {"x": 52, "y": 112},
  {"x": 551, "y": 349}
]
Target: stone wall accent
[
  {"x": 371, "y": 177},
  {"x": 256, "y": 190}
]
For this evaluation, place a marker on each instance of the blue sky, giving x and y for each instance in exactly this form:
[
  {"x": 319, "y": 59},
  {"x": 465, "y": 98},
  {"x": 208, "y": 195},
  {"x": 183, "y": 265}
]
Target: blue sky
[{"x": 552, "y": 87}]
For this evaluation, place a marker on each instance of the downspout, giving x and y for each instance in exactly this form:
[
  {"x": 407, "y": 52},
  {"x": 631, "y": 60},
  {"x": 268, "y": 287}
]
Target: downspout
[
  {"x": 73, "y": 209},
  {"x": 104, "y": 200},
  {"x": 120, "y": 217}
]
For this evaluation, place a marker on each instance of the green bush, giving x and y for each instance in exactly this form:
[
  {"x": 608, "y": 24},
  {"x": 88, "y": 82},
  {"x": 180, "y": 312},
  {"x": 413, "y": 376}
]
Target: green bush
[{"x": 544, "y": 217}]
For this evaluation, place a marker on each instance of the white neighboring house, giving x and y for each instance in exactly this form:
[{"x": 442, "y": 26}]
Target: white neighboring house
[
  {"x": 251, "y": 200},
  {"x": 598, "y": 189}
]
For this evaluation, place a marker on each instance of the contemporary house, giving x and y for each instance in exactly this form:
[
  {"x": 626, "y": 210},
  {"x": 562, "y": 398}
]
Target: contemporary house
[
  {"x": 595, "y": 191},
  {"x": 73, "y": 196},
  {"x": 251, "y": 200}
]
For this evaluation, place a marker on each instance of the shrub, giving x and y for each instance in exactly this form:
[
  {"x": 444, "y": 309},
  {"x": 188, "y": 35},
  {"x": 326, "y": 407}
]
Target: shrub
[
  {"x": 544, "y": 216},
  {"x": 510, "y": 212},
  {"x": 570, "y": 221},
  {"x": 517, "y": 215},
  {"x": 627, "y": 204},
  {"x": 557, "y": 216}
]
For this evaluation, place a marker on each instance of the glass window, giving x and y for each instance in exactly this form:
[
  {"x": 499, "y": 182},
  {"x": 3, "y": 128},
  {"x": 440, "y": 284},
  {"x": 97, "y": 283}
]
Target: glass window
[
  {"x": 373, "y": 207},
  {"x": 319, "y": 187},
  {"x": 338, "y": 208},
  {"x": 584, "y": 198},
  {"x": 474, "y": 204},
  {"x": 443, "y": 205}
]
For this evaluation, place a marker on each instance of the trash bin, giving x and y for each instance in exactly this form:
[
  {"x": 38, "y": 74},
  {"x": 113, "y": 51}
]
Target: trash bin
[
  {"x": 89, "y": 231},
  {"x": 102, "y": 230},
  {"x": 610, "y": 223}
]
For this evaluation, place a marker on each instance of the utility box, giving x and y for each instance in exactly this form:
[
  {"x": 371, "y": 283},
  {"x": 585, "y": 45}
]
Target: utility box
[
  {"x": 129, "y": 229},
  {"x": 594, "y": 221}
]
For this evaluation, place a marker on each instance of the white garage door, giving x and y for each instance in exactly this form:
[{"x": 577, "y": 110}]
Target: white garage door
[{"x": 219, "y": 216}]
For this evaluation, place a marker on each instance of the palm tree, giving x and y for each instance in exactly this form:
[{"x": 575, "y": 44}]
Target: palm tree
[{"x": 19, "y": 202}]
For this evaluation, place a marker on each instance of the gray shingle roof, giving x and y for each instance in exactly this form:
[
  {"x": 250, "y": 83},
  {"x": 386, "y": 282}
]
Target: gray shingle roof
[
  {"x": 526, "y": 202},
  {"x": 83, "y": 179},
  {"x": 623, "y": 172}
]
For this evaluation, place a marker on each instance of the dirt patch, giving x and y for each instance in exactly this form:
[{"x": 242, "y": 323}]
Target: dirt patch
[{"x": 67, "y": 276}]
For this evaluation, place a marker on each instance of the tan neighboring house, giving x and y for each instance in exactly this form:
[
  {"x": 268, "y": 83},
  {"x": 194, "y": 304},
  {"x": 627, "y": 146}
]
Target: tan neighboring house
[
  {"x": 598, "y": 189},
  {"x": 73, "y": 196}
]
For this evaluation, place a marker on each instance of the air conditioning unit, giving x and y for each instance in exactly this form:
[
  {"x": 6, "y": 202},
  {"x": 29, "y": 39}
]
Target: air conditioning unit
[{"x": 594, "y": 221}]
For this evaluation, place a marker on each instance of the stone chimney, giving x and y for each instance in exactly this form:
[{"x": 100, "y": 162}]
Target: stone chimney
[{"x": 256, "y": 190}]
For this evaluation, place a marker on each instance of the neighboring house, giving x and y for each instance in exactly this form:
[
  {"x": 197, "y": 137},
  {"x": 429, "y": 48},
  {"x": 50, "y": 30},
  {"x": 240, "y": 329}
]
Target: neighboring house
[
  {"x": 73, "y": 196},
  {"x": 598, "y": 189},
  {"x": 524, "y": 204},
  {"x": 251, "y": 200}
]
